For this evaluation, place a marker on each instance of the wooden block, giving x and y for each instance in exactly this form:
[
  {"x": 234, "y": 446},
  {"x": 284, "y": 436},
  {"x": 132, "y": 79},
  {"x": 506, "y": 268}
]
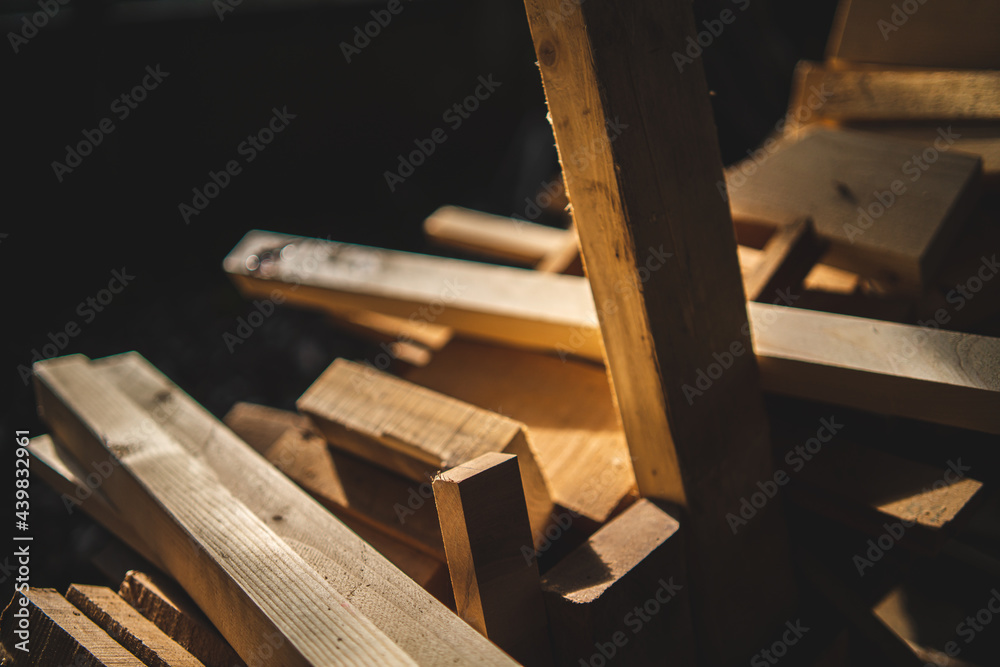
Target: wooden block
[
  {"x": 81, "y": 487},
  {"x": 659, "y": 249},
  {"x": 844, "y": 181},
  {"x": 568, "y": 409},
  {"x": 421, "y": 289},
  {"x": 602, "y": 594},
  {"x": 788, "y": 258},
  {"x": 415, "y": 431},
  {"x": 170, "y": 609},
  {"x": 129, "y": 628},
  {"x": 58, "y": 634},
  {"x": 519, "y": 241},
  {"x": 396, "y": 604},
  {"x": 260, "y": 426},
  {"x": 484, "y": 522},
  {"x": 934, "y": 375},
  {"x": 956, "y": 34}
]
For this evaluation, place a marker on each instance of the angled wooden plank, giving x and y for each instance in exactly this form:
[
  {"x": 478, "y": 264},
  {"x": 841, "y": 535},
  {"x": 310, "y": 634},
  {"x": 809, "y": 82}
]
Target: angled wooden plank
[
  {"x": 260, "y": 426},
  {"x": 597, "y": 596},
  {"x": 408, "y": 285},
  {"x": 484, "y": 522},
  {"x": 129, "y": 628},
  {"x": 80, "y": 487},
  {"x": 884, "y": 214},
  {"x": 227, "y": 558},
  {"x": 510, "y": 239},
  {"x": 659, "y": 249},
  {"x": 415, "y": 431},
  {"x": 170, "y": 609},
  {"x": 57, "y": 634},
  {"x": 396, "y": 604},
  {"x": 956, "y": 34},
  {"x": 927, "y": 379},
  {"x": 787, "y": 260}
]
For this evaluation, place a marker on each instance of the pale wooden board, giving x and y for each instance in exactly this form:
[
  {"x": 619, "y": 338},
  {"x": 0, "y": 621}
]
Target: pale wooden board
[
  {"x": 484, "y": 522},
  {"x": 129, "y": 628},
  {"x": 169, "y": 608},
  {"x": 510, "y": 239},
  {"x": 833, "y": 176},
  {"x": 60, "y": 635},
  {"x": 954, "y": 34},
  {"x": 415, "y": 431},
  {"x": 396, "y": 604},
  {"x": 592, "y": 592}
]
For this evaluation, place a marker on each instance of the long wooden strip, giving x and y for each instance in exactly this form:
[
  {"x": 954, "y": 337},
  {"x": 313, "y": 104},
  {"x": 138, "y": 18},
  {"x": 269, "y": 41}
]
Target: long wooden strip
[
  {"x": 171, "y": 610},
  {"x": 520, "y": 241},
  {"x": 417, "y": 432},
  {"x": 57, "y": 634},
  {"x": 939, "y": 370},
  {"x": 484, "y": 522},
  {"x": 787, "y": 259},
  {"x": 397, "y": 605},
  {"x": 129, "y": 628},
  {"x": 251, "y": 584},
  {"x": 659, "y": 249},
  {"x": 599, "y": 598}
]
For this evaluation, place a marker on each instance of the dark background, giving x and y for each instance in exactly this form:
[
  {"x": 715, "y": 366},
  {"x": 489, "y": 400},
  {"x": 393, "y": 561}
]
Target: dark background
[{"x": 323, "y": 176}]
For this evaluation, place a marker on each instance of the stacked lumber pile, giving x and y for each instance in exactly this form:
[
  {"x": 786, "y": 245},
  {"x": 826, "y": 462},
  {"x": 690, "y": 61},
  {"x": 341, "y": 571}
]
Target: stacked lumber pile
[{"x": 630, "y": 467}]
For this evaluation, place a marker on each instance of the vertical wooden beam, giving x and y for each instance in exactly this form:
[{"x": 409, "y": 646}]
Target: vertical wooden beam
[
  {"x": 640, "y": 156},
  {"x": 487, "y": 538}
]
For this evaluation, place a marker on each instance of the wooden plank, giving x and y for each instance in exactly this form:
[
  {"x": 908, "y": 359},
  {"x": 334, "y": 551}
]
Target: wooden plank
[
  {"x": 397, "y": 605},
  {"x": 58, "y": 634},
  {"x": 260, "y": 426},
  {"x": 129, "y": 628},
  {"x": 81, "y": 487},
  {"x": 170, "y": 609},
  {"x": 417, "y": 432},
  {"x": 494, "y": 236},
  {"x": 956, "y": 34},
  {"x": 885, "y": 216},
  {"x": 658, "y": 245},
  {"x": 484, "y": 522},
  {"x": 568, "y": 409},
  {"x": 328, "y": 275},
  {"x": 911, "y": 384},
  {"x": 227, "y": 558},
  {"x": 592, "y": 596},
  {"x": 788, "y": 258}
]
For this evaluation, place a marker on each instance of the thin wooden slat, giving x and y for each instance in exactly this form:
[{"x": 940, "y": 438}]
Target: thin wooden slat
[
  {"x": 396, "y": 604},
  {"x": 227, "y": 558},
  {"x": 659, "y": 249},
  {"x": 417, "y": 432},
  {"x": 129, "y": 628},
  {"x": 170, "y": 609},
  {"x": 600, "y": 600},
  {"x": 955, "y": 34},
  {"x": 788, "y": 258},
  {"x": 931, "y": 377},
  {"x": 885, "y": 216},
  {"x": 484, "y": 522},
  {"x": 58, "y": 634},
  {"x": 519, "y": 241}
]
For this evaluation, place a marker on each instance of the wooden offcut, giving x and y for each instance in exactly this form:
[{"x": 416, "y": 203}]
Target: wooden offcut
[
  {"x": 519, "y": 241},
  {"x": 787, "y": 259},
  {"x": 659, "y": 249},
  {"x": 484, "y": 522},
  {"x": 624, "y": 589},
  {"x": 129, "y": 628},
  {"x": 415, "y": 431}
]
